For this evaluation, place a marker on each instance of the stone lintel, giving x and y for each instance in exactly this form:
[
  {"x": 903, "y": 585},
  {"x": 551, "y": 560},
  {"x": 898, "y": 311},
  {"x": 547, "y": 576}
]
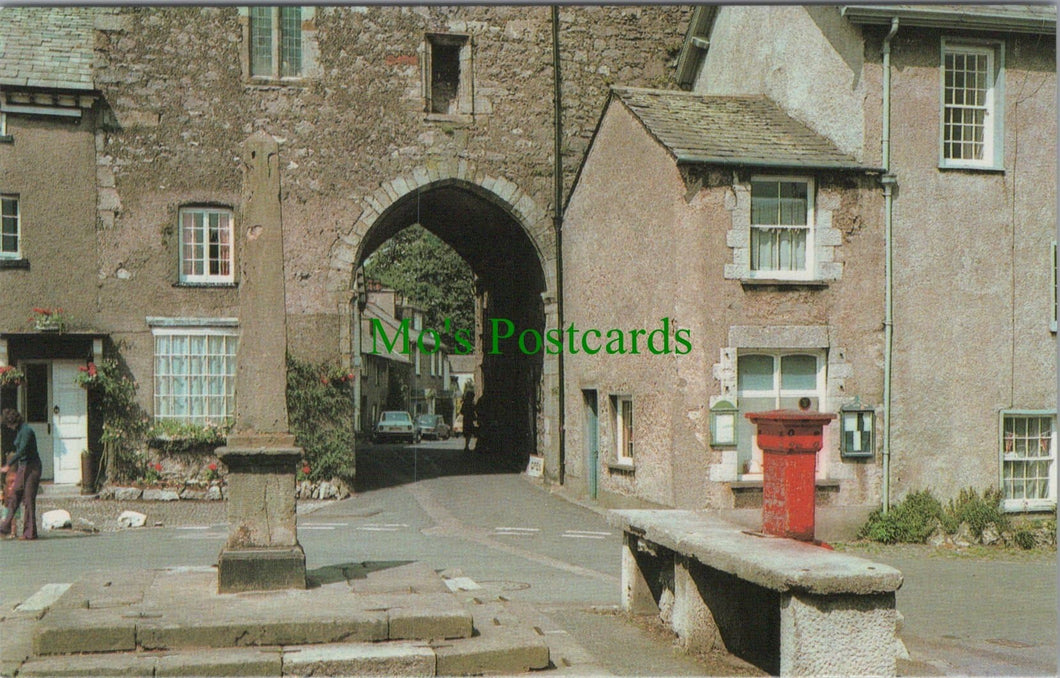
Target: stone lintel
[
  {"x": 261, "y": 569},
  {"x": 245, "y": 457}
]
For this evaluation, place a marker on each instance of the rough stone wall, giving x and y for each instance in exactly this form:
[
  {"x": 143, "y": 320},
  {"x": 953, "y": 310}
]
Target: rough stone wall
[
  {"x": 50, "y": 164},
  {"x": 179, "y": 108},
  {"x": 615, "y": 285}
]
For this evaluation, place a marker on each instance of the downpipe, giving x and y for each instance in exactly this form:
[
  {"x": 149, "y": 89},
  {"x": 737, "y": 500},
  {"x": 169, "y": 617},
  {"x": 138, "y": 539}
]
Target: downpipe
[{"x": 889, "y": 182}]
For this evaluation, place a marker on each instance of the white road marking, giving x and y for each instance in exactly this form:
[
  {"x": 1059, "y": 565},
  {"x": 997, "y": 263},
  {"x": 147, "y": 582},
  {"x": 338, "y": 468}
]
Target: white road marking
[
  {"x": 602, "y": 534},
  {"x": 43, "y": 599},
  {"x": 568, "y": 535},
  {"x": 316, "y": 527},
  {"x": 516, "y": 529},
  {"x": 386, "y": 527},
  {"x": 461, "y": 584},
  {"x": 327, "y": 524}
]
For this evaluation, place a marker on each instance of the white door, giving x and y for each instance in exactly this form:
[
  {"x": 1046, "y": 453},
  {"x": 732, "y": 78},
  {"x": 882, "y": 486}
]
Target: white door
[
  {"x": 70, "y": 421},
  {"x": 37, "y": 408}
]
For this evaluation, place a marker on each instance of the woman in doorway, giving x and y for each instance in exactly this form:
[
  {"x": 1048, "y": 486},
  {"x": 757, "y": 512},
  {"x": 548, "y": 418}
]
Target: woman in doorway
[{"x": 26, "y": 465}]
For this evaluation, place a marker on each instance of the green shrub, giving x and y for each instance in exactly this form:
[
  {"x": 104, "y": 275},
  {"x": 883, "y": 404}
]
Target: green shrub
[
  {"x": 978, "y": 511},
  {"x": 1024, "y": 538},
  {"x": 911, "y": 520},
  {"x": 320, "y": 411}
]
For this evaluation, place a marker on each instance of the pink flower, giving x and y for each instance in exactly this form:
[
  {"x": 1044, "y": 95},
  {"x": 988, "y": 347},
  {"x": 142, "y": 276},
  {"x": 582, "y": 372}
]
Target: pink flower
[
  {"x": 158, "y": 466},
  {"x": 305, "y": 469},
  {"x": 323, "y": 380},
  {"x": 212, "y": 467}
]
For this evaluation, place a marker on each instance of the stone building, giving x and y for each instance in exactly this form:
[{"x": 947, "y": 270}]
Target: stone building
[
  {"x": 889, "y": 253},
  {"x": 385, "y": 117}
]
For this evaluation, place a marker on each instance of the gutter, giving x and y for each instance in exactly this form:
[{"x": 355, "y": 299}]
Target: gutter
[
  {"x": 928, "y": 17},
  {"x": 889, "y": 181},
  {"x": 683, "y": 159},
  {"x": 557, "y": 223}
]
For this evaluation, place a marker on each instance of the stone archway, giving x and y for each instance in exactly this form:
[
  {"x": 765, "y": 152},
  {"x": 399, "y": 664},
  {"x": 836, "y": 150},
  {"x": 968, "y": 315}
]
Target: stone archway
[{"x": 509, "y": 243}]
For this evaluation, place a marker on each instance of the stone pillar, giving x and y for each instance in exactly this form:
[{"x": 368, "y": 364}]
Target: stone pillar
[{"x": 262, "y": 552}]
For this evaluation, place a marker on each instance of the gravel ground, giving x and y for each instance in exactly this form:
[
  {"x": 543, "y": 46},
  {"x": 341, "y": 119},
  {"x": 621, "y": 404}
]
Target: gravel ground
[{"x": 92, "y": 514}]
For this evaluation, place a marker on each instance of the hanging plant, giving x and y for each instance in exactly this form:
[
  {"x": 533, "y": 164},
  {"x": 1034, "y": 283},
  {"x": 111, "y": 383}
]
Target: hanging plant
[{"x": 11, "y": 376}]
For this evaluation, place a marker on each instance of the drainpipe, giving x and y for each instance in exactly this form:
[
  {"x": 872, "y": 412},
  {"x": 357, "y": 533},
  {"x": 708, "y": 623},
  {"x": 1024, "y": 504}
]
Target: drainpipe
[
  {"x": 557, "y": 222},
  {"x": 889, "y": 181}
]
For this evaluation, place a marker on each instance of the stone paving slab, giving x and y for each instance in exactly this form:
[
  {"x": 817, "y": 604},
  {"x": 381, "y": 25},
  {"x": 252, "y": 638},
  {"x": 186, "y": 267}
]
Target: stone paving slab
[
  {"x": 73, "y": 630},
  {"x": 223, "y": 662},
  {"x": 360, "y": 659},
  {"x": 416, "y": 577},
  {"x": 16, "y": 643},
  {"x": 495, "y": 650},
  {"x": 123, "y": 664},
  {"x": 107, "y": 589}
]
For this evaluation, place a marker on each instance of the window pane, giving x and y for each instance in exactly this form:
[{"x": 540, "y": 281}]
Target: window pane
[
  {"x": 290, "y": 41},
  {"x": 755, "y": 373},
  {"x": 261, "y": 41},
  {"x": 798, "y": 372}
]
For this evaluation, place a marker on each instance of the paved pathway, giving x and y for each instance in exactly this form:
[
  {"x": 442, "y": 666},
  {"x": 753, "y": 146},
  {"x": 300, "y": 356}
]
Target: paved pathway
[{"x": 963, "y": 615}]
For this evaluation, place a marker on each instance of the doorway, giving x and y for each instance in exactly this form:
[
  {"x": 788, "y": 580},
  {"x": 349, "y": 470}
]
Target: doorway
[
  {"x": 592, "y": 440},
  {"x": 56, "y": 408}
]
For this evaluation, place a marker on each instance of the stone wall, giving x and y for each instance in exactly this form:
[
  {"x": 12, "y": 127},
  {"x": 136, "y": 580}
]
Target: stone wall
[{"x": 178, "y": 106}]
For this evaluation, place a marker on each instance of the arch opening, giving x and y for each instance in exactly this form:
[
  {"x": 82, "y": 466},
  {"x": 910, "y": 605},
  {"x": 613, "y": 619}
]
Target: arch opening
[{"x": 510, "y": 282}]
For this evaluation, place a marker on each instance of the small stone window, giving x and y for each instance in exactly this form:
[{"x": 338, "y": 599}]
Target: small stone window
[{"x": 447, "y": 75}]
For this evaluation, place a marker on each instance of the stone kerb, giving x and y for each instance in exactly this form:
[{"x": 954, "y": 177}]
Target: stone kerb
[{"x": 498, "y": 190}]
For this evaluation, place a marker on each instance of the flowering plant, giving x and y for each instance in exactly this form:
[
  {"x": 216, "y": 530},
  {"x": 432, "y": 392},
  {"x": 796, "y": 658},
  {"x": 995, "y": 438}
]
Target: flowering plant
[
  {"x": 211, "y": 472},
  {"x": 153, "y": 474},
  {"x": 11, "y": 375},
  {"x": 171, "y": 435},
  {"x": 336, "y": 376},
  {"x": 88, "y": 376},
  {"x": 49, "y": 318},
  {"x": 303, "y": 473}
]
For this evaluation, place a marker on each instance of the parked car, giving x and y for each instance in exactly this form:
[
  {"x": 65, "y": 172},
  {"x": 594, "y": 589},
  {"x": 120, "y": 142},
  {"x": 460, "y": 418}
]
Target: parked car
[
  {"x": 458, "y": 425},
  {"x": 433, "y": 426},
  {"x": 396, "y": 425}
]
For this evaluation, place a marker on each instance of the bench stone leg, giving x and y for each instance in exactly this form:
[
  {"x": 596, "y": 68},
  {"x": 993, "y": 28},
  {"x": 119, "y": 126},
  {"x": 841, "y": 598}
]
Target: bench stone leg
[
  {"x": 693, "y": 622},
  {"x": 838, "y": 635},
  {"x": 637, "y": 597}
]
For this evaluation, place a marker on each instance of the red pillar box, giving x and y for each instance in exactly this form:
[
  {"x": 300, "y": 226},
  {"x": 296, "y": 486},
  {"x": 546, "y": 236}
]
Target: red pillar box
[{"x": 789, "y": 440}]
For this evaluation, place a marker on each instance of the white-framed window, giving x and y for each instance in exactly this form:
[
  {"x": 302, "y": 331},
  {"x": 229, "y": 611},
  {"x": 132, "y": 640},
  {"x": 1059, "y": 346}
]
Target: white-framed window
[
  {"x": 206, "y": 252},
  {"x": 447, "y": 74},
  {"x": 623, "y": 411},
  {"x": 416, "y": 351},
  {"x": 10, "y": 227},
  {"x": 782, "y": 219},
  {"x": 971, "y": 112},
  {"x": 769, "y": 380},
  {"x": 195, "y": 374},
  {"x": 1028, "y": 460},
  {"x": 276, "y": 42}
]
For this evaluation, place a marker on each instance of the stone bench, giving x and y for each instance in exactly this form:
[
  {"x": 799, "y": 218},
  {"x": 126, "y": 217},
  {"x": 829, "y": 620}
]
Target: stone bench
[{"x": 788, "y": 607}]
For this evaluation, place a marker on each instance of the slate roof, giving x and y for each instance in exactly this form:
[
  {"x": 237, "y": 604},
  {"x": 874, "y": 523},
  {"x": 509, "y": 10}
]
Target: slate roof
[
  {"x": 47, "y": 47},
  {"x": 731, "y": 130}
]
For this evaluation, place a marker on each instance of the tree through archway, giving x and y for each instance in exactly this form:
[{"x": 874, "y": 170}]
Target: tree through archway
[{"x": 510, "y": 283}]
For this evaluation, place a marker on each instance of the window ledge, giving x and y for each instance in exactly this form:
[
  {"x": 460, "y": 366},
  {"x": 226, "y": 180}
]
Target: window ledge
[
  {"x": 985, "y": 169},
  {"x": 6, "y": 139},
  {"x": 209, "y": 285},
  {"x": 461, "y": 119},
  {"x": 14, "y": 263},
  {"x": 621, "y": 468},
  {"x": 276, "y": 83},
  {"x": 819, "y": 483},
  {"x": 782, "y": 282}
]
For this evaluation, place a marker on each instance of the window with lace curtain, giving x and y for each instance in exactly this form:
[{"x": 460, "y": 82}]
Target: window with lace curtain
[{"x": 195, "y": 374}]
